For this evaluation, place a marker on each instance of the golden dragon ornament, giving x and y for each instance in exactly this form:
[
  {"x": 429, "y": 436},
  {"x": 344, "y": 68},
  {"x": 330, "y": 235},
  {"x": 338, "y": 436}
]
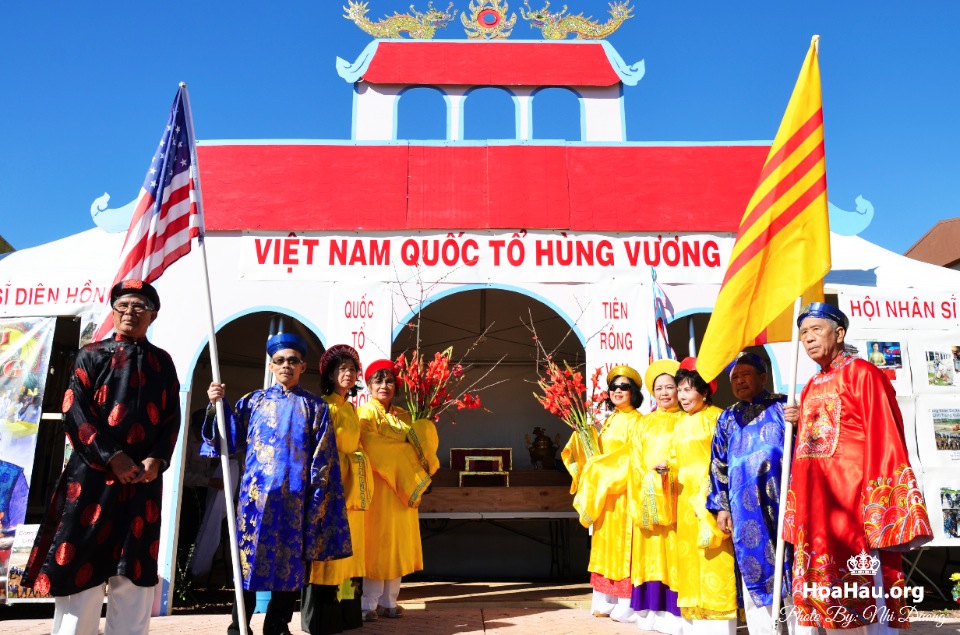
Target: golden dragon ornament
[
  {"x": 558, "y": 25},
  {"x": 417, "y": 25}
]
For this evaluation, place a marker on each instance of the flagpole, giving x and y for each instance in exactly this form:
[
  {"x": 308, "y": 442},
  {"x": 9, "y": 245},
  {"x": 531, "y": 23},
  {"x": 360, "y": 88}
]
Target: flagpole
[
  {"x": 215, "y": 376},
  {"x": 785, "y": 471},
  {"x": 787, "y": 446}
]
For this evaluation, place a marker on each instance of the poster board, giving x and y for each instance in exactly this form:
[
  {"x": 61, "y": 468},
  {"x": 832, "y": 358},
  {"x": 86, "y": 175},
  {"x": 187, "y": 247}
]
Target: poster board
[
  {"x": 25, "y": 346},
  {"x": 888, "y": 351},
  {"x": 908, "y": 408},
  {"x": 17, "y": 564},
  {"x": 935, "y": 362},
  {"x": 24, "y": 360},
  {"x": 941, "y": 490},
  {"x": 938, "y": 431}
]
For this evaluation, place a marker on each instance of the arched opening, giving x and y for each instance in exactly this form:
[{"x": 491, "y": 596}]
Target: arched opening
[
  {"x": 421, "y": 114},
  {"x": 679, "y": 332},
  {"x": 556, "y": 114},
  {"x": 241, "y": 348},
  {"x": 489, "y": 113},
  {"x": 487, "y": 326},
  {"x": 242, "y": 357}
]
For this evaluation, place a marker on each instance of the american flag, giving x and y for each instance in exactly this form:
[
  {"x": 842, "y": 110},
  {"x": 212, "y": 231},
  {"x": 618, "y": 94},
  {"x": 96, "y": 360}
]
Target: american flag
[{"x": 165, "y": 219}]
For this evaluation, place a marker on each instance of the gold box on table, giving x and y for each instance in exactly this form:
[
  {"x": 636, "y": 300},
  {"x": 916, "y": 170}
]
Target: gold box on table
[{"x": 482, "y": 466}]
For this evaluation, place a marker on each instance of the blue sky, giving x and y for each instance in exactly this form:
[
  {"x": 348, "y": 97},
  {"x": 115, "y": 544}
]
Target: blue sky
[{"x": 88, "y": 86}]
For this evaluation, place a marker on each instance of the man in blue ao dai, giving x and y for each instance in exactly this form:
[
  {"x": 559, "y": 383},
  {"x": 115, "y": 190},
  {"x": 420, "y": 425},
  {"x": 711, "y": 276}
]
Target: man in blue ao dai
[{"x": 745, "y": 468}]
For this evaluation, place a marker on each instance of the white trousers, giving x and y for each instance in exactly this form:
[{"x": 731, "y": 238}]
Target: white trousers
[
  {"x": 379, "y": 593},
  {"x": 710, "y": 627},
  {"x": 617, "y": 608},
  {"x": 208, "y": 536},
  {"x": 602, "y": 603},
  {"x": 660, "y": 621},
  {"x": 128, "y": 610},
  {"x": 760, "y": 618}
]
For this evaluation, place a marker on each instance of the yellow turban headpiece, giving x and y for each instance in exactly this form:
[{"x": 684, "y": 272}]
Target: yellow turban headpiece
[
  {"x": 624, "y": 371},
  {"x": 657, "y": 368}
]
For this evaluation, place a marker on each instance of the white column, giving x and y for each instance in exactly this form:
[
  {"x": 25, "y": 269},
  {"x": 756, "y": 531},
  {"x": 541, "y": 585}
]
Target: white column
[
  {"x": 170, "y": 514},
  {"x": 601, "y": 113},
  {"x": 524, "y": 112},
  {"x": 454, "y": 98},
  {"x": 375, "y": 112}
]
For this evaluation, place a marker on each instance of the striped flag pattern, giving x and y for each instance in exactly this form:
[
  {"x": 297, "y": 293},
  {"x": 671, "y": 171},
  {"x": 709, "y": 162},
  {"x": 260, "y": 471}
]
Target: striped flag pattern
[
  {"x": 782, "y": 249},
  {"x": 658, "y": 343},
  {"x": 165, "y": 218}
]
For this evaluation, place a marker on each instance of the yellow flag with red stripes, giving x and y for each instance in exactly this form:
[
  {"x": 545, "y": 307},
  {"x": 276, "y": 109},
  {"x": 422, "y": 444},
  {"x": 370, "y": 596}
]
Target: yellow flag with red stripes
[{"x": 782, "y": 249}]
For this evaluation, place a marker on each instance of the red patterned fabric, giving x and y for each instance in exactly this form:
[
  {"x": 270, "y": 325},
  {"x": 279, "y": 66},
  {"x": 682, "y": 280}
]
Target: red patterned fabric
[
  {"x": 852, "y": 490},
  {"x": 616, "y": 588},
  {"x": 136, "y": 434},
  {"x": 73, "y": 492},
  {"x": 117, "y": 415},
  {"x": 65, "y": 553},
  {"x": 97, "y": 527},
  {"x": 67, "y": 400},
  {"x": 82, "y": 376}
]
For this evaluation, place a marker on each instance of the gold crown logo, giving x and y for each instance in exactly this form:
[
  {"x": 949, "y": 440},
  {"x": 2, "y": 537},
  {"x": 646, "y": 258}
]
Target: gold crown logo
[{"x": 863, "y": 564}]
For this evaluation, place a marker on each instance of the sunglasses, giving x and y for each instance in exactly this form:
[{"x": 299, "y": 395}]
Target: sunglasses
[
  {"x": 279, "y": 361},
  {"x": 623, "y": 387},
  {"x": 135, "y": 307}
]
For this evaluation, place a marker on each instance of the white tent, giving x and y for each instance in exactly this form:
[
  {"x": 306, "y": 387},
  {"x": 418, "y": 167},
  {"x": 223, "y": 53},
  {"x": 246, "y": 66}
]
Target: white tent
[{"x": 67, "y": 277}]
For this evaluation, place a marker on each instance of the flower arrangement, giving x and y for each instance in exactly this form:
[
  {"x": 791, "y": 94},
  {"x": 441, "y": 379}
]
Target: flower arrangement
[
  {"x": 431, "y": 386},
  {"x": 563, "y": 394},
  {"x": 955, "y": 591}
]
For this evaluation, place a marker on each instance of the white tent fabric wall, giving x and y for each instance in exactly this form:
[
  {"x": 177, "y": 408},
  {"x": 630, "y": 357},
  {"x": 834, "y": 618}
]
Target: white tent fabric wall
[
  {"x": 63, "y": 277},
  {"x": 65, "y": 268}
]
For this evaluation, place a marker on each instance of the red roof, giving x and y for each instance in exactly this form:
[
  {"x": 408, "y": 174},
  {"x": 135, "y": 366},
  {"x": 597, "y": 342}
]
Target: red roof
[
  {"x": 491, "y": 63},
  {"x": 408, "y": 187},
  {"x": 940, "y": 245}
]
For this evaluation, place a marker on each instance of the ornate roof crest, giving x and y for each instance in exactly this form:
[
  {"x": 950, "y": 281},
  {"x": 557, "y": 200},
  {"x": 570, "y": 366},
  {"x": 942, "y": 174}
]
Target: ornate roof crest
[
  {"x": 557, "y": 26},
  {"x": 418, "y": 26},
  {"x": 488, "y": 20}
]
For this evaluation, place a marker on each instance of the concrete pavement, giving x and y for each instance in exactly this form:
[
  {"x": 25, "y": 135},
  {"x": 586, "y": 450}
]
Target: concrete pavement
[
  {"x": 440, "y": 621},
  {"x": 442, "y": 608}
]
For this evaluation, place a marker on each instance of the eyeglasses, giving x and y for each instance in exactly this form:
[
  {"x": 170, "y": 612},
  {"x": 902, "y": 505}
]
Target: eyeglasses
[
  {"x": 623, "y": 387},
  {"x": 136, "y": 307},
  {"x": 280, "y": 361}
]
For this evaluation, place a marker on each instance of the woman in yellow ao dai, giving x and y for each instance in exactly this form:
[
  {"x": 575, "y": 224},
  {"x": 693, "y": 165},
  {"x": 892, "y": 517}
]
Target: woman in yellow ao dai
[
  {"x": 333, "y": 591},
  {"x": 600, "y": 486},
  {"x": 652, "y": 496},
  {"x": 705, "y": 583},
  {"x": 404, "y": 456}
]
